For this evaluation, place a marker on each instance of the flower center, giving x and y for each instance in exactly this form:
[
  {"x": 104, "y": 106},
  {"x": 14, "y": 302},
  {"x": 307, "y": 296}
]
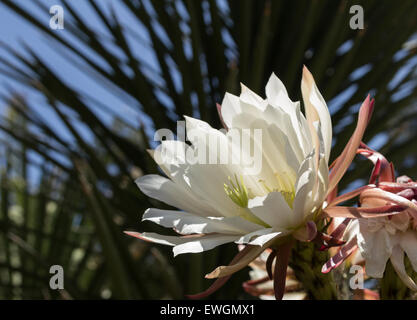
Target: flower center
[
  {"x": 238, "y": 193},
  {"x": 284, "y": 187}
]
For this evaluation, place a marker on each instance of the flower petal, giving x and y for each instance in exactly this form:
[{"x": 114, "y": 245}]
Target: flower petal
[
  {"x": 397, "y": 260},
  {"x": 249, "y": 97},
  {"x": 221, "y": 281},
  {"x": 280, "y": 270},
  {"x": 219, "y": 111},
  {"x": 340, "y": 256},
  {"x": 376, "y": 248},
  {"x": 186, "y": 223},
  {"x": 274, "y": 87},
  {"x": 362, "y": 212},
  {"x": 307, "y": 232},
  {"x": 261, "y": 240},
  {"x": 157, "y": 238},
  {"x": 377, "y": 193},
  {"x": 200, "y": 244},
  {"x": 186, "y": 244},
  {"x": 272, "y": 209},
  {"x": 345, "y": 159},
  {"x": 230, "y": 107},
  {"x": 349, "y": 195},
  {"x": 380, "y": 162},
  {"x": 409, "y": 244},
  {"x": 303, "y": 204},
  {"x": 252, "y": 254},
  {"x": 265, "y": 232},
  {"x": 313, "y": 99},
  {"x": 163, "y": 189}
]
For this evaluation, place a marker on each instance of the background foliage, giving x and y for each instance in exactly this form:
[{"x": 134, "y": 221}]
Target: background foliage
[{"x": 75, "y": 210}]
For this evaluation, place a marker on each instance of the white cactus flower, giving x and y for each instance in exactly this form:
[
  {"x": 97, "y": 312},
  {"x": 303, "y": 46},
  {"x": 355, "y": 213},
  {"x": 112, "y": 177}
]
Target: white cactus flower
[
  {"x": 388, "y": 227},
  {"x": 226, "y": 202}
]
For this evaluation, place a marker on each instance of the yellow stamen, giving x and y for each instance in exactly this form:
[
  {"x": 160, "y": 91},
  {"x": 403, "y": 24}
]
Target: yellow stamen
[{"x": 237, "y": 192}]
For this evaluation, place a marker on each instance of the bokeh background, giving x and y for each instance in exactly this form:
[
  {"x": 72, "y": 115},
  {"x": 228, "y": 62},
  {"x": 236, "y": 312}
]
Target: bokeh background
[{"x": 79, "y": 106}]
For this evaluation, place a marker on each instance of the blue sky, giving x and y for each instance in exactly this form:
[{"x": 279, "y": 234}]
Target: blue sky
[{"x": 15, "y": 32}]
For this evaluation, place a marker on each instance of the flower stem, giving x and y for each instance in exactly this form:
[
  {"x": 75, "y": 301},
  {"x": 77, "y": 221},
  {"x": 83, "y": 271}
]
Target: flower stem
[{"x": 307, "y": 261}]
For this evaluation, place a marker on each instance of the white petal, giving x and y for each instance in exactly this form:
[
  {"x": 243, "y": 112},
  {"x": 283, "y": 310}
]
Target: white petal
[
  {"x": 280, "y": 152},
  {"x": 376, "y": 248},
  {"x": 193, "y": 123},
  {"x": 323, "y": 175},
  {"x": 278, "y": 97},
  {"x": 312, "y": 97},
  {"x": 307, "y": 232},
  {"x": 186, "y": 223},
  {"x": 160, "y": 188},
  {"x": 288, "y": 116},
  {"x": 400, "y": 221},
  {"x": 170, "y": 153},
  {"x": 207, "y": 180},
  {"x": 274, "y": 87},
  {"x": 190, "y": 244},
  {"x": 278, "y": 157},
  {"x": 272, "y": 209},
  {"x": 303, "y": 203},
  {"x": 409, "y": 243},
  {"x": 304, "y": 198},
  {"x": 397, "y": 260},
  {"x": 197, "y": 203},
  {"x": 253, "y": 149},
  {"x": 230, "y": 107},
  {"x": 249, "y": 97},
  {"x": 284, "y": 113},
  {"x": 265, "y": 233},
  {"x": 195, "y": 245},
  {"x": 276, "y": 116},
  {"x": 261, "y": 240},
  {"x": 161, "y": 239},
  {"x": 165, "y": 190}
]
